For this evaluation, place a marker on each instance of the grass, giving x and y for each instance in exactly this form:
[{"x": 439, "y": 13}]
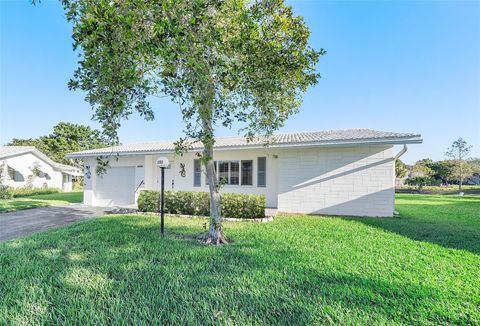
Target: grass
[
  {"x": 11, "y": 205},
  {"x": 421, "y": 268}
]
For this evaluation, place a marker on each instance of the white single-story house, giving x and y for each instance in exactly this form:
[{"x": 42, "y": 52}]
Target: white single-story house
[
  {"x": 340, "y": 172},
  {"x": 19, "y": 162}
]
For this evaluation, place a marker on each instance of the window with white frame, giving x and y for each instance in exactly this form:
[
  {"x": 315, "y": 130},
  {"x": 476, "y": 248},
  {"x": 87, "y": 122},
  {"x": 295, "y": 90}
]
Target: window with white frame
[
  {"x": 247, "y": 173},
  {"x": 229, "y": 172},
  {"x": 238, "y": 172}
]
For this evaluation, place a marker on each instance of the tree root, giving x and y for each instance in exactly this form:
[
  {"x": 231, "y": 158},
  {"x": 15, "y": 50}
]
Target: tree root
[{"x": 217, "y": 241}]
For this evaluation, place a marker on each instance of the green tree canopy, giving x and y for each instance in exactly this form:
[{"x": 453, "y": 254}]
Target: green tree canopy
[
  {"x": 422, "y": 167},
  {"x": 400, "y": 169},
  {"x": 223, "y": 62},
  {"x": 66, "y": 137},
  {"x": 443, "y": 170}
]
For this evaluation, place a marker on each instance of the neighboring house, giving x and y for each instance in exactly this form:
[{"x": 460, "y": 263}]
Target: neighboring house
[
  {"x": 472, "y": 181},
  {"x": 20, "y": 162},
  {"x": 400, "y": 182},
  {"x": 341, "y": 172}
]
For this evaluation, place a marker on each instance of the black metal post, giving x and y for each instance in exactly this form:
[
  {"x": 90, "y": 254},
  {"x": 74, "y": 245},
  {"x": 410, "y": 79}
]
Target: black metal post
[{"x": 162, "y": 203}]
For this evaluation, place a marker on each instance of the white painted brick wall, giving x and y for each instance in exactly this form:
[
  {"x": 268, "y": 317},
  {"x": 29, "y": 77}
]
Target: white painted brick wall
[{"x": 337, "y": 181}]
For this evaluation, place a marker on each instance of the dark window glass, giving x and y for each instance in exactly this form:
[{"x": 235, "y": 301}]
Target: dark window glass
[
  {"x": 197, "y": 173},
  {"x": 247, "y": 173},
  {"x": 262, "y": 172},
  {"x": 223, "y": 172},
  {"x": 234, "y": 173}
]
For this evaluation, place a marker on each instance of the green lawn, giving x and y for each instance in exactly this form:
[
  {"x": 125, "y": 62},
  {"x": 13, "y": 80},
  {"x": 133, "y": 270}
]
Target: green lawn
[
  {"x": 10, "y": 205},
  {"x": 422, "y": 268}
]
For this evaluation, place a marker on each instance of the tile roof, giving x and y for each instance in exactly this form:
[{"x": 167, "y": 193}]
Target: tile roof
[
  {"x": 315, "y": 138},
  {"x": 14, "y": 150},
  {"x": 8, "y": 151}
]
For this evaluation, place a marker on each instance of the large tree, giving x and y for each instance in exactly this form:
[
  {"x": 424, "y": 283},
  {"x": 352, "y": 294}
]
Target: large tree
[
  {"x": 459, "y": 151},
  {"x": 401, "y": 169},
  {"x": 443, "y": 170},
  {"x": 223, "y": 62},
  {"x": 65, "y": 138}
]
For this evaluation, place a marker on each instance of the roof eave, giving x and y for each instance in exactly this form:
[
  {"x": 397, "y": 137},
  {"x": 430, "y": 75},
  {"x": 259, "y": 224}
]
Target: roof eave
[
  {"x": 55, "y": 166},
  {"x": 394, "y": 141}
]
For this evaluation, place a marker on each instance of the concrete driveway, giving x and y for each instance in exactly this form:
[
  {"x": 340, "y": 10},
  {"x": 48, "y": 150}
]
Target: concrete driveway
[{"x": 25, "y": 222}]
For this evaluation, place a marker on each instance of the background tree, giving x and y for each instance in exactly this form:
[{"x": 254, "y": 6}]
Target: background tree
[
  {"x": 421, "y": 168},
  {"x": 443, "y": 170},
  {"x": 475, "y": 166},
  {"x": 28, "y": 142},
  {"x": 459, "y": 151},
  {"x": 223, "y": 62},
  {"x": 66, "y": 137},
  {"x": 400, "y": 169}
]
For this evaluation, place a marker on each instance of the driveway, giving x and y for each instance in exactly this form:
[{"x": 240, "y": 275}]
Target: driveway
[{"x": 25, "y": 222}]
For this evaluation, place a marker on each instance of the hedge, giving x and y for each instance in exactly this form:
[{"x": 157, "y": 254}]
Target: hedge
[
  {"x": 24, "y": 192},
  {"x": 198, "y": 203},
  {"x": 6, "y": 192}
]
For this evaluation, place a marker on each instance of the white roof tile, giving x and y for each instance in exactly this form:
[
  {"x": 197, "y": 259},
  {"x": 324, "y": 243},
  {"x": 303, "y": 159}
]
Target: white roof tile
[
  {"x": 8, "y": 151},
  {"x": 315, "y": 138}
]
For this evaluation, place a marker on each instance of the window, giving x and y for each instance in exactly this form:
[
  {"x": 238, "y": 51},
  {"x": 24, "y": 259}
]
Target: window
[
  {"x": 229, "y": 172},
  {"x": 234, "y": 173},
  {"x": 262, "y": 172},
  {"x": 15, "y": 175},
  {"x": 223, "y": 168},
  {"x": 197, "y": 173},
  {"x": 247, "y": 173}
]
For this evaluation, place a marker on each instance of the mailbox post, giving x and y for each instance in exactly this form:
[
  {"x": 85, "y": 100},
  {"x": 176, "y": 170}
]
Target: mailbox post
[{"x": 162, "y": 163}]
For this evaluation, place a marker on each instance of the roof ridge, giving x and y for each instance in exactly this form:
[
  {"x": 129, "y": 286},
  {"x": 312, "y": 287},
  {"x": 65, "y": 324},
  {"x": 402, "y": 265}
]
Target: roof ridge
[{"x": 306, "y": 138}]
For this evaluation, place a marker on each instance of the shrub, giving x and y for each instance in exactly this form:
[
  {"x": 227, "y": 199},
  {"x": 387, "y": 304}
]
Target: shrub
[
  {"x": 421, "y": 182},
  {"x": 198, "y": 203},
  {"x": 25, "y": 191},
  {"x": 6, "y": 192},
  {"x": 78, "y": 184}
]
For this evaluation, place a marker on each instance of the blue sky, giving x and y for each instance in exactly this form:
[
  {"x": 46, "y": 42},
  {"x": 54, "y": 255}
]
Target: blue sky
[{"x": 398, "y": 66}]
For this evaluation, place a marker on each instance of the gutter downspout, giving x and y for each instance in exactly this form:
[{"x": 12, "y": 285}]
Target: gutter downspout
[{"x": 404, "y": 149}]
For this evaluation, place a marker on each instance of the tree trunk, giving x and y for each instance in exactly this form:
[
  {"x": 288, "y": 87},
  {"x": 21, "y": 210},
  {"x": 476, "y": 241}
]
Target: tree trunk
[
  {"x": 215, "y": 234},
  {"x": 461, "y": 177}
]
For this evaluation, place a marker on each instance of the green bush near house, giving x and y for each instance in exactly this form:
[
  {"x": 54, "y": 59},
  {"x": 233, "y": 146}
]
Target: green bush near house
[
  {"x": 439, "y": 190},
  {"x": 6, "y": 192},
  {"x": 25, "y": 192},
  {"x": 421, "y": 182},
  {"x": 198, "y": 203}
]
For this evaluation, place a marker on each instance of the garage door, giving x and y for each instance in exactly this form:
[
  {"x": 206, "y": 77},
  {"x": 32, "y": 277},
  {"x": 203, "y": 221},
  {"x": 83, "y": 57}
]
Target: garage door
[{"x": 116, "y": 187}]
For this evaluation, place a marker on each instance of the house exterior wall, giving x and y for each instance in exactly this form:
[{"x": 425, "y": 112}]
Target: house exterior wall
[
  {"x": 174, "y": 181},
  {"x": 22, "y": 163},
  {"x": 91, "y": 177},
  {"x": 357, "y": 181},
  {"x": 67, "y": 182},
  {"x": 338, "y": 181}
]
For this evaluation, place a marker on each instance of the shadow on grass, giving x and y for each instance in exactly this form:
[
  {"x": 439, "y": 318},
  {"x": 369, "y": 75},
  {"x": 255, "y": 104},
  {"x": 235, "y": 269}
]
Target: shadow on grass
[
  {"x": 452, "y": 222},
  {"x": 118, "y": 270}
]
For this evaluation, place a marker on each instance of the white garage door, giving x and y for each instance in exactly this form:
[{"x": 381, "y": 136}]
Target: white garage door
[{"x": 116, "y": 187}]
